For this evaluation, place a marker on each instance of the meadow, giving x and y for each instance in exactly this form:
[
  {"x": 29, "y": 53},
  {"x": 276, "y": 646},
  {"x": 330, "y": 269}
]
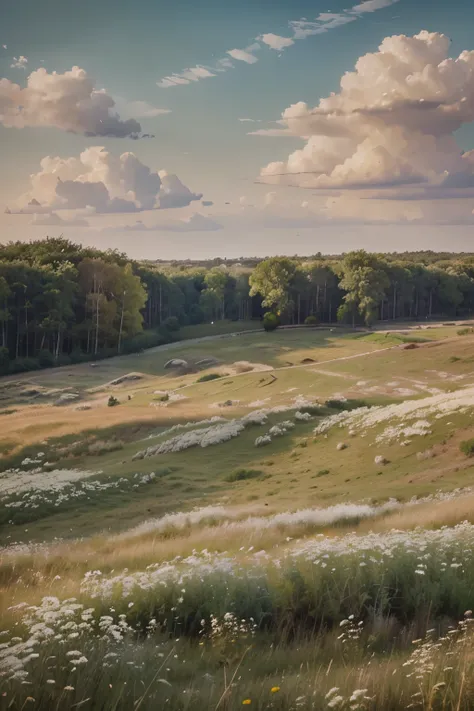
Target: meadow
[{"x": 276, "y": 520}]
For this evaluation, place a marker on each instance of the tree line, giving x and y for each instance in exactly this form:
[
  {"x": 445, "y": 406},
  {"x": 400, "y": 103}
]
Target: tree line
[{"x": 63, "y": 303}]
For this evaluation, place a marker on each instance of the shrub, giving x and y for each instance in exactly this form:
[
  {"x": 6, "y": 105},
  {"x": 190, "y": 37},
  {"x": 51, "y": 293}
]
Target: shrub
[
  {"x": 112, "y": 402},
  {"x": 243, "y": 474},
  {"x": 270, "y": 321},
  {"x": 209, "y": 376},
  {"x": 4, "y": 359},
  {"x": 163, "y": 398},
  {"x": 345, "y": 404},
  {"x": 465, "y": 331},
  {"x": 467, "y": 447},
  {"x": 23, "y": 365},
  {"x": 171, "y": 324},
  {"x": 45, "y": 358},
  {"x": 311, "y": 320}
]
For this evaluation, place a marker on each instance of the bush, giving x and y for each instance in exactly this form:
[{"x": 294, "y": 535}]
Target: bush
[
  {"x": 45, "y": 358},
  {"x": 4, "y": 359},
  {"x": 209, "y": 376},
  {"x": 243, "y": 474},
  {"x": 467, "y": 447},
  {"x": 270, "y": 321},
  {"x": 345, "y": 404},
  {"x": 23, "y": 365},
  {"x": 112, "y": 402},
  {"x": 171, "y": 324},
  {"x": 465, "y": 331},
  {"x": 311, "y": 320}
]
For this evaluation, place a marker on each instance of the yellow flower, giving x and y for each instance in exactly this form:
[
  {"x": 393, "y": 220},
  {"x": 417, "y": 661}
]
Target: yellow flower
[
  {"x": 274, "y": 689},
  {"x": 246, "y": 702}
]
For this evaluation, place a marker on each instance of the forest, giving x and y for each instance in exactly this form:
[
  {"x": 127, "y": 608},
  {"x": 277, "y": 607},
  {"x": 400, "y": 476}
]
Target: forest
[{"x": 62, "y": 303}]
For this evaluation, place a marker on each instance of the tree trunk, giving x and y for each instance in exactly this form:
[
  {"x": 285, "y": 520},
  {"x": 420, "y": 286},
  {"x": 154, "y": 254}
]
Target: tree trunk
[
  {"x": 431, "y": 303},
  {"x": 394, "y": 303},
  {"x": 121, "y": 325},
  {"x": 299, "y": 308}
]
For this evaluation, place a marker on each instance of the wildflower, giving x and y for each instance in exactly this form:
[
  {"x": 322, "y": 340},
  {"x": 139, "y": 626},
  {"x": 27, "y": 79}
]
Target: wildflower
[
  {"x": 68, "y": 688},
  {"x": 50, "y": 681},
  {"x": 275, "y": 689},
  {"x": 246, "y": 702}
]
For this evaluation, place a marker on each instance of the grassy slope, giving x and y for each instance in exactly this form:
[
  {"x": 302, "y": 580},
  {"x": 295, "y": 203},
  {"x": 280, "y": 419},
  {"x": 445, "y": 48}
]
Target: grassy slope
[{"x": 290, "y": 466}]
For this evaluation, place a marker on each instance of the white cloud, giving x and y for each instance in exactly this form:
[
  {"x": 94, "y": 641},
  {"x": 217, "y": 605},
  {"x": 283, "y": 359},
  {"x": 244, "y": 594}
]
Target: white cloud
[
  {"x": 269, "y": 199},
  {"x": 173, "y": 193},
  {"x": 53, "y": 220},
  {"x": 301, "y": 29},
  {"x": 276, "y": 41},
  {"x": 103, "y": 182},
  {"x": 242, "y": 56},
  {"x": 397, "y": 130},
  {"x": 138, "y": 109},
  {"x": 194, "y": 223},
  {"x": 372, "y": 5},
  {"x": 189, "y": 75},
  {"x": 18, "y": 62},
  {"x": 67, "y": 101}
]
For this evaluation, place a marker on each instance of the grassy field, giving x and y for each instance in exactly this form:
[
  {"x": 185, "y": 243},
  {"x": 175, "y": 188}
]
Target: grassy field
[{"x": 206, "y": 542}]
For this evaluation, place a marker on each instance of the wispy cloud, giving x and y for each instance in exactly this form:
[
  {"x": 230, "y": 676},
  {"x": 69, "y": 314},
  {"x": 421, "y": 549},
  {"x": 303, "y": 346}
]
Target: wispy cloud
[{"x": 301, "y": 29}]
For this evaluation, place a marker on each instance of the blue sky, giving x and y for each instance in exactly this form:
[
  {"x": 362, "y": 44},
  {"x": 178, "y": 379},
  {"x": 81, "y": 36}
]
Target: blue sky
[{"x": 127, "y": 49}]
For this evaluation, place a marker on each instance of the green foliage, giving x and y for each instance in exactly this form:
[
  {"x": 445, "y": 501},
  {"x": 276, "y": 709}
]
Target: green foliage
[
  {"x": 112, "y": 401},
  {"x": 46, "y": 359},
  {"x": 467, "y": 447},
  {"x": 353, "y": 404},
  {"x": 270, "y": 321},
  {"x": 243, "y": 474},
  {"x": 311, "y": 320},
  {"x": 272, "y": 280},
  {"x": 208, "y": 377},
  {"x": 171, "y": 324}
]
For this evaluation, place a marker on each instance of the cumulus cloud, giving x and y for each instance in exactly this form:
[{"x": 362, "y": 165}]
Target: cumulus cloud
[
  {"x": 54, "y": 220},
  {"x": 395, "y": 131},
  {"x": 104, "y": 183},
  {"x": 67, "y": 101},
  {"x": 173, "y": 193},
  {"x": 276, "y": 41},
  {"x": 18, "y": 62},
  {"x": 194, "y": 223}
]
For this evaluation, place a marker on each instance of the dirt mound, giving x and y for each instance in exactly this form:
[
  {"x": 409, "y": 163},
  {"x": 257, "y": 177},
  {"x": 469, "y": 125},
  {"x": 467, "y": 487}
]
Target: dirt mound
[{"x": 129, "y": 377}]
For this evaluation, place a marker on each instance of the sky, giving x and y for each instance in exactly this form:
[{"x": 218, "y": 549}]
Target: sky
[{"x": 238, "y": 128}]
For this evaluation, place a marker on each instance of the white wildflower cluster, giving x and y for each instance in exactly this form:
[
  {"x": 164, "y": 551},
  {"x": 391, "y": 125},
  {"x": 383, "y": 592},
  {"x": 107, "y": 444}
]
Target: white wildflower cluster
[
  {"x": 14, "y": 481},
  {"x": 302, "y": 416},
  {"x": 64, "y": 492},
  {"x": 235, "y": 519},
  {"x": 203, "y": 437},
  {"x": 437, "y": 406},
  {"x": 67, "y": 622},
  {"x": 276, "y": 431},
  {"x": 358, "y": 700},
  {"x": 228, "y": 627}
]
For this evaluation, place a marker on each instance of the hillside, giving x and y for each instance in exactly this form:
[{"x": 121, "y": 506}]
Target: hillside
[{"x": 251, "y": 492}]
